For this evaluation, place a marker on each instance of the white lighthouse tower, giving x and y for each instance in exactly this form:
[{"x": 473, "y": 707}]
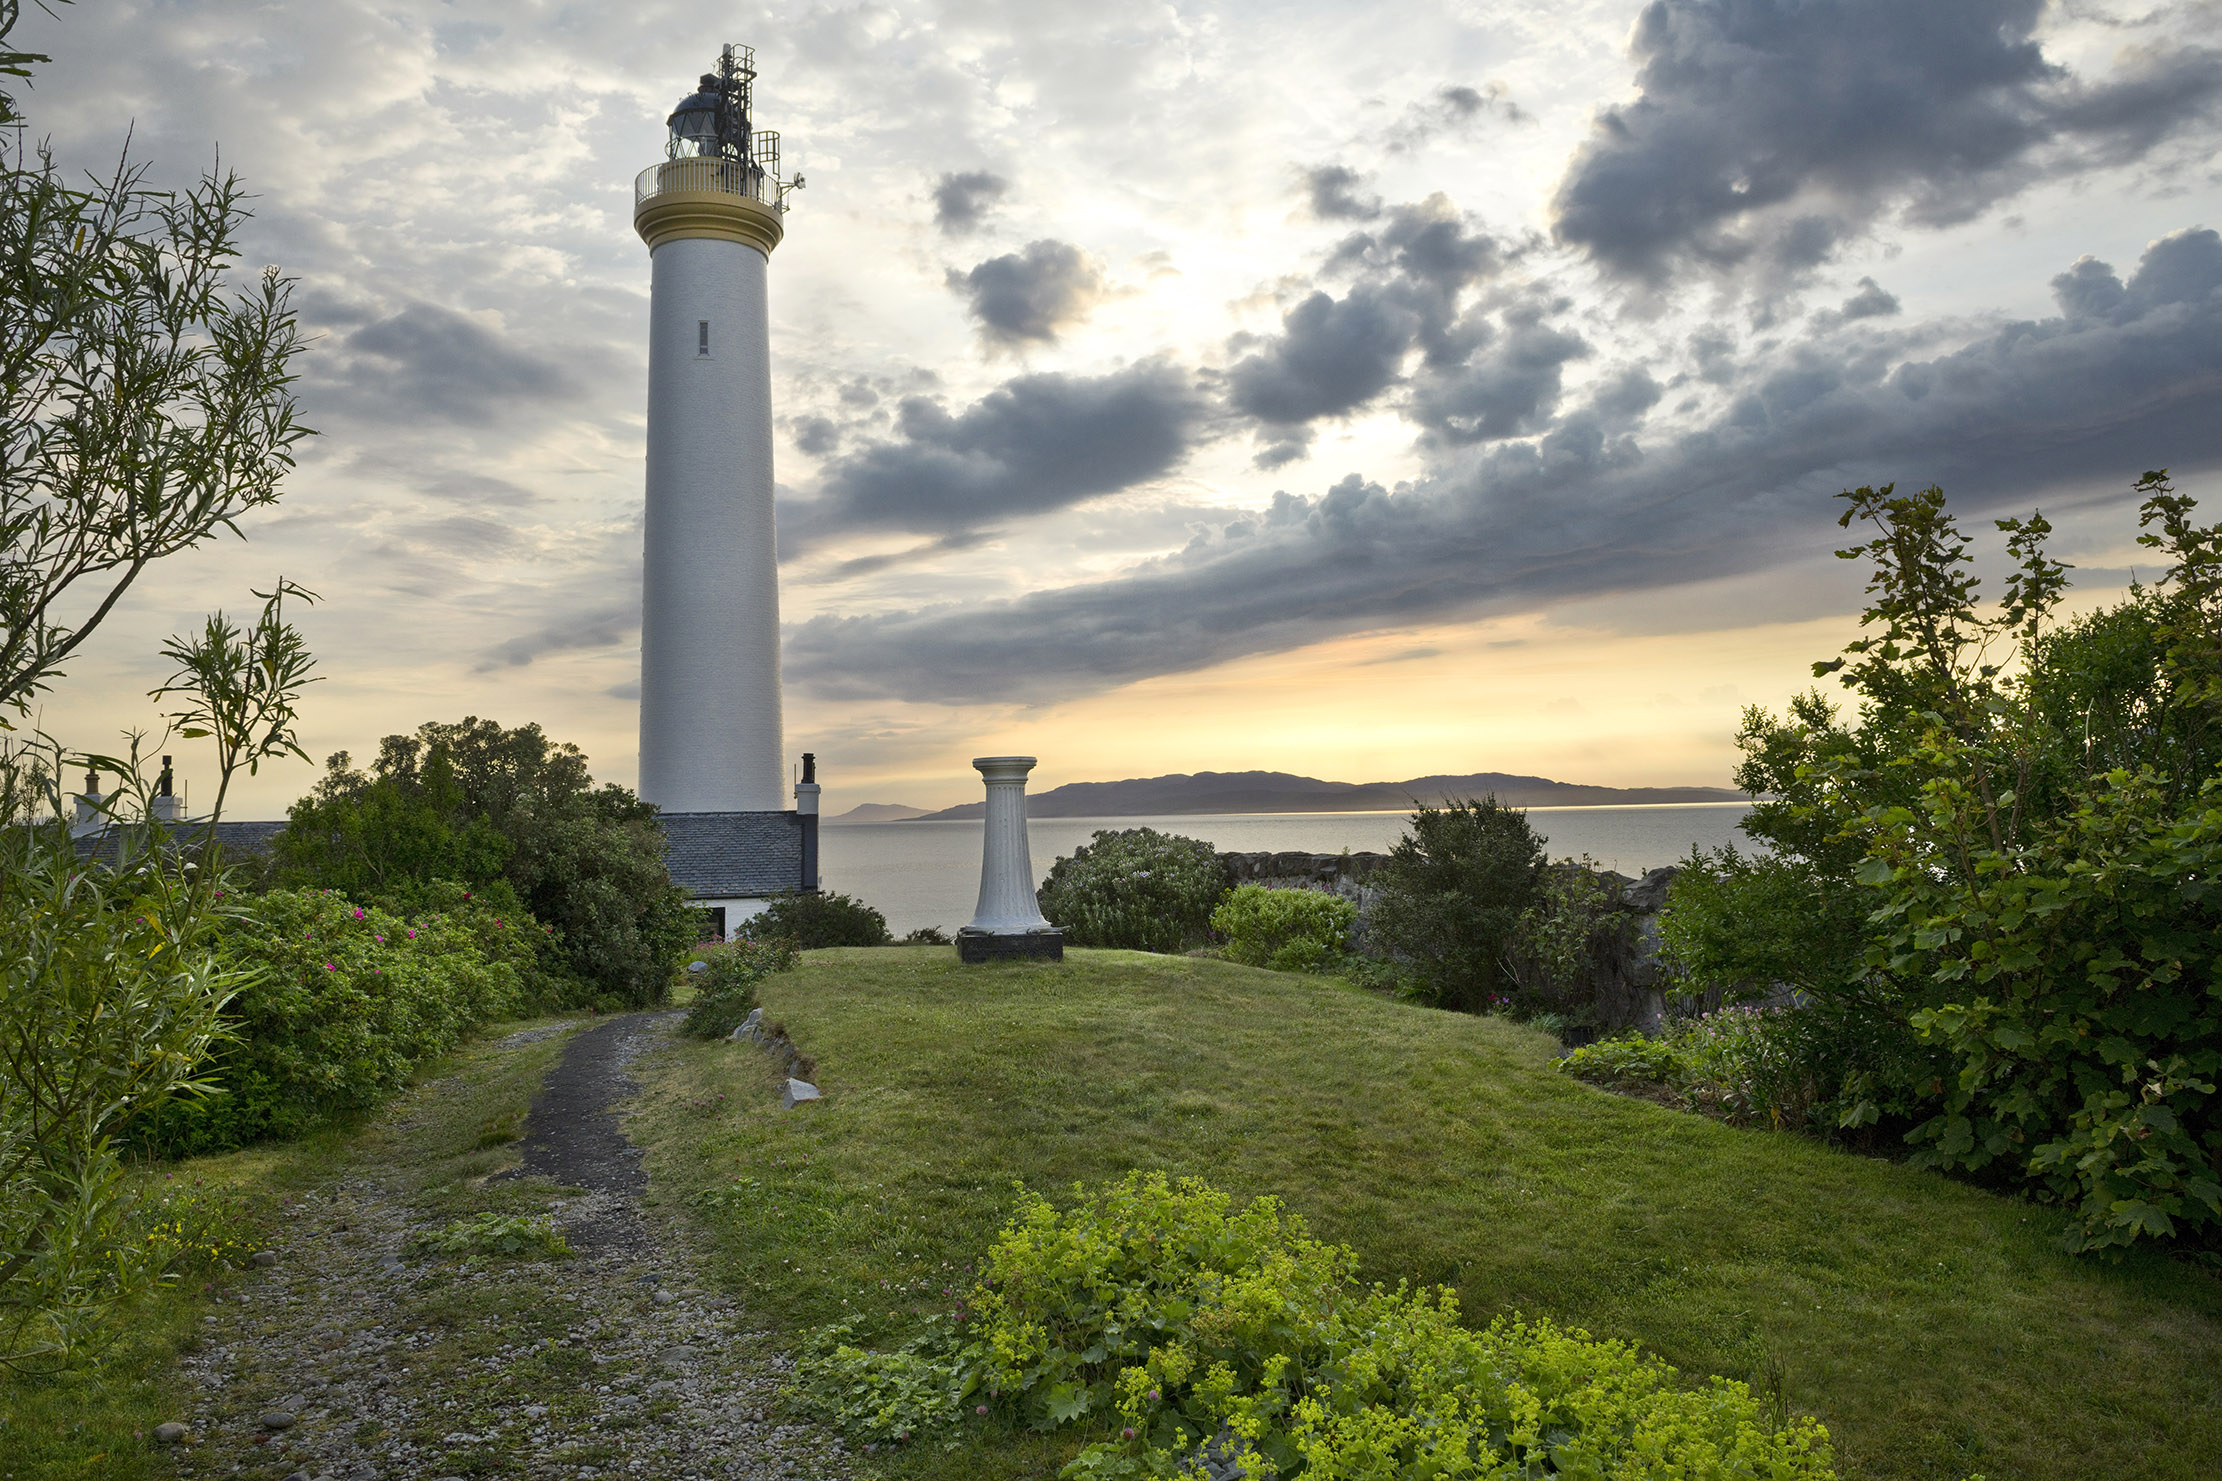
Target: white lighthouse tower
[{"x": 712, "y": 756}]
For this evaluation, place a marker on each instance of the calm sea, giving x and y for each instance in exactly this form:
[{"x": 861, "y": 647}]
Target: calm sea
[{"x": 928, "y": 874}]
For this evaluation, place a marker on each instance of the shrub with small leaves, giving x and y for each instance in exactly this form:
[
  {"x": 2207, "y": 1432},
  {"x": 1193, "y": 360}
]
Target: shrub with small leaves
[
  {"x": 725, "y": 990},
  {"x": 1162, "y": 1318},
  {"x": 812, "y": 920},
  {"x": 511, "y": 1236},
  {"x": 1136, "y": 888},
  {"x": 1287, "y": 930}
]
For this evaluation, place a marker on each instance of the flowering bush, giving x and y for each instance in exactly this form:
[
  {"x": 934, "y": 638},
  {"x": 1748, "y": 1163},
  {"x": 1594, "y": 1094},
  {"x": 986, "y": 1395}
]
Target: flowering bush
[
  {"x": 1161, "y": 1318},
  {"x": 345, "y": 1002},
  {"x": 1136, "y": 888},
  {"x": 1287, "y": 930}
]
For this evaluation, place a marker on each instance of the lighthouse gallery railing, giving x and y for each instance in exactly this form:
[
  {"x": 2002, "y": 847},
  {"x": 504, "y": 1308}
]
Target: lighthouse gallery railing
[{"x": 756, "y": 178}]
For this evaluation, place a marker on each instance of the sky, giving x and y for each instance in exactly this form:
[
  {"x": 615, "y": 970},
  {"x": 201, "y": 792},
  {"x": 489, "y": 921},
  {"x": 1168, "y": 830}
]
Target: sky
[{"x": 1353, "y": 390}]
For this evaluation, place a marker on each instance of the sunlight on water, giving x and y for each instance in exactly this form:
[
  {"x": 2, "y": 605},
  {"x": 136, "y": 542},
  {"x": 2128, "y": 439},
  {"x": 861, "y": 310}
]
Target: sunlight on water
[{"x": 928, "y": 874}]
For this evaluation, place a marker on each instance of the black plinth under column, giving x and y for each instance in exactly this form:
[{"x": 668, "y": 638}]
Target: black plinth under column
[{"x": 986, "y": 946}]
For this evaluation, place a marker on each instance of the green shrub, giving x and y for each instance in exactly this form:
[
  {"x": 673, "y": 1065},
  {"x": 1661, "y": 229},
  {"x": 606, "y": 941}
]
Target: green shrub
[
  {"x": 111, "y": 995},
  {"x": 1158, "y": 1317},
  {"x": 513, "y": 1236},
  {"x": 1792, "y": 1067},
  {"x": 475, "y": 803},
  {"x": 1446, "y": 908},
  {"x": 926, "y": 936},
  {"x": 725, "y": 990},
  {"x": 1572, "y": 953},
  {"x": 814, "y": 920},
  {"x": 1137, "y": 889},
  {"x": 1287, "y": 930},
  {"x": 344, "y": 1003}
]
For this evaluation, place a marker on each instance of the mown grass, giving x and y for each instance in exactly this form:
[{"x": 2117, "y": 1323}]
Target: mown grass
[
  {"x": 97, "y": 1424},
  {"x": 1935, "y": 1328}
]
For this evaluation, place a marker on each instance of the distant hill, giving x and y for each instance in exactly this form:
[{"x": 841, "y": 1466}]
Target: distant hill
[
  {"x": 879, "y": 812},
  {"x": 1277, "y": 791}
]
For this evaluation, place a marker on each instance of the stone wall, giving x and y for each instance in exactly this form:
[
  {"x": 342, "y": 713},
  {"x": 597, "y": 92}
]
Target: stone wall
[{"x": 1628, "y": 990}]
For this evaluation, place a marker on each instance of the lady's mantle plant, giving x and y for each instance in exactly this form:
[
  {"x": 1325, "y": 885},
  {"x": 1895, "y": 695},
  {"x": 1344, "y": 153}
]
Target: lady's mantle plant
[{"x": 1156, "y": 1320}]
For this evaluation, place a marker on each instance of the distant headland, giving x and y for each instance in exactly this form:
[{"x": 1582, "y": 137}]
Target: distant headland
[{"x": 1280, "y": 792}]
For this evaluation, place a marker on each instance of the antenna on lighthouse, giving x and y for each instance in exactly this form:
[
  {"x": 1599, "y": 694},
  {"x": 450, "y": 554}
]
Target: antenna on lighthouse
[{"x": 716, "y": 122}]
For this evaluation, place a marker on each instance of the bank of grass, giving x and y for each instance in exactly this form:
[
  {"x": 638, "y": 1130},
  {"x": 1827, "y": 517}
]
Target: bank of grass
[
  {"x": 98, "y": 1424},
  {"x": 1933, "y": 1327}
]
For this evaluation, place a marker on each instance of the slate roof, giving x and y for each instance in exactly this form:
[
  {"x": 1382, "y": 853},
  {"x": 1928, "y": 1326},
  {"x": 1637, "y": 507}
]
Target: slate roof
[
  {"x": 734, "y": 855},
  {"x": 236, "y": 838}
]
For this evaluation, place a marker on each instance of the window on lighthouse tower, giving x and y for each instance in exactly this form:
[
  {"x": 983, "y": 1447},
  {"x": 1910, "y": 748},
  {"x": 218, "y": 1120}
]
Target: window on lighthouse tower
[{"x": 702, "y": 339}]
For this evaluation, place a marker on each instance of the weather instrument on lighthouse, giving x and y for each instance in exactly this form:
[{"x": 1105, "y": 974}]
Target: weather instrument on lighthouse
[{"x": 712, "y": 755}]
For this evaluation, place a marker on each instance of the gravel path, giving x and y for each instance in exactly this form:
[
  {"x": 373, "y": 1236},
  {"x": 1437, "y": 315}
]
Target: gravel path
[{"x": 354, "y": 1357}]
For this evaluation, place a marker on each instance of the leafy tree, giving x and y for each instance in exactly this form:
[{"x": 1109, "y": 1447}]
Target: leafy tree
[
  {"x": 479, "y": 804},
  {"x": 2025, "y": 812},
  {"x": 239, "y": 687},
  {"x": 146, "y": 396},
  {"x": 1136, "y": 889},
  {"x": 1447, "y": 905}
]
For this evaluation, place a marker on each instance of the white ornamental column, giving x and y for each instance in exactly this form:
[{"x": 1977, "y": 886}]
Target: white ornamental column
[{"x": 1008, "y": 920}]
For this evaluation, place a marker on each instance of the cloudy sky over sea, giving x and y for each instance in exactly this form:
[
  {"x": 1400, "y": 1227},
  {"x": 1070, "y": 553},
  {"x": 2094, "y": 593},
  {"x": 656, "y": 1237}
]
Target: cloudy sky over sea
[{"x": 1356, "y": 390}]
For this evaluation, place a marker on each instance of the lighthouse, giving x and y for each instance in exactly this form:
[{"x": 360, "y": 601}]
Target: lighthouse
[{"x": 712, "y": 756}]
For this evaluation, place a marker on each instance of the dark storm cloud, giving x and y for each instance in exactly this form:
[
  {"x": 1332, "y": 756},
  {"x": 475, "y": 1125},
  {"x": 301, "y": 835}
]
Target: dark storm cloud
[
  {"x": 1026, "y": 297},
  {"x": 1335, "y": 356},
  {"x": 1769, "y": 130},
  {"x": 1872, "y": 301},
  {"x": 1507, "y": 388},
  {"x": 427, "y": 361},
  {"x": 1037, "y": 443},
  {"x": 2128, "y": 377},
  {"x": 962, "y": 201},
  {"x": 1334, "y": 194}
]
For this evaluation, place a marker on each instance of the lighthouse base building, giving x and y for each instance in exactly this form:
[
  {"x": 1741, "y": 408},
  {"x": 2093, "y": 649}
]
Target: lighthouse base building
[{"x": 712, "y": 756}]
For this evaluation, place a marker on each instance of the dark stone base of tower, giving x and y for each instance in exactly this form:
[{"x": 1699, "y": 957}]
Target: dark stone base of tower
[{"x": 986, "y": 946}]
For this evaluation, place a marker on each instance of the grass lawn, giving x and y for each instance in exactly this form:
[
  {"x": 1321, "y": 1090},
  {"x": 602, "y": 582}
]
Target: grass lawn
[{"x": 1933, "y": 1327}]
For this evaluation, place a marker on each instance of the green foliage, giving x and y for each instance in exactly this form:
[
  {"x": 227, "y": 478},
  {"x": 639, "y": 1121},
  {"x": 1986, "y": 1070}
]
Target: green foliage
[
  {"x": 146, "y": 394},
  {"x": 343, "y": 1003},
  {"x": 473, "y": 803},
  {"x": 1287, "y": 930},
  {"x": 1158, "y": 1317},
  {"x": 893, "y": 1396},
  {"x": 725, "y": 990},
  {"x": 1137, "y": 889},
  {"x": 813, "y": 920},
  {"x": 240, "y": 687},
  {"x": 194, "y": 1230},
  {"x": 1447, "y": 906},
  {"x": 2020, "y": 817},
  {"x": 1573, "y": 951},
  {"x": 925, "y": 936},
  {"x": 111, "y": 993},
  {"x": 510, "y": 1236},
  {"x": 1739, "y": 928}
]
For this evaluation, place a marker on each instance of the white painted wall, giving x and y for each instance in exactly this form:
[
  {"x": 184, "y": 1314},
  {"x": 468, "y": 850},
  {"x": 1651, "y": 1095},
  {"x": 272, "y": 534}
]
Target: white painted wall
[{"x": 710, "y": 736}]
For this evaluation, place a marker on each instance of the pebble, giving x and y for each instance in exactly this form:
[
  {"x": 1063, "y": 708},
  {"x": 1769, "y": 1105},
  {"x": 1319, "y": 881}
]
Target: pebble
[
  {"x": 266, "y": 1258},
  {"x": 664, "y": 1298},
  {"x": 170, "y": 1433},
  {"x": 278, "y": 1419}
]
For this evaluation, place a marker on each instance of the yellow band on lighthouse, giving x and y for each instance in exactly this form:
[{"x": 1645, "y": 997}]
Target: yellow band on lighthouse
[{"x": 714, "y": 198}]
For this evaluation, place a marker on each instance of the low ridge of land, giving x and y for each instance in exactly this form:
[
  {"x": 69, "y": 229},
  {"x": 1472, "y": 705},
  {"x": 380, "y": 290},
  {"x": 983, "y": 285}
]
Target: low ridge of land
[
  {"x": 1280, "y": 791},
  {"x": 878, "y": 812}
]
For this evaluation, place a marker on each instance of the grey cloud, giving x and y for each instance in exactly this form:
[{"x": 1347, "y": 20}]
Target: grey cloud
[
  {"x": 1507, "y": 388},
  {"x": 1029, "y": 296},
  {"x": 816, "y": 436},
  {"x": 962, "y": 201},
  {"x": 1335, "y": 356},
  {"x": 1450, "y": 109},
  {"x": 1627, "y": 396},
  {"x": 1036, "y": 443},
  {"x": 1872, "y": 301},
  {"x": 2184, "y": 267},
  {"x": 2034, "y": 406},
  {"x": 603, "y": 627},
  {"x": 429, "y": 361},
  {"x": 1768, "y": 131},
  {"x": 1334, "y": 194}
]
